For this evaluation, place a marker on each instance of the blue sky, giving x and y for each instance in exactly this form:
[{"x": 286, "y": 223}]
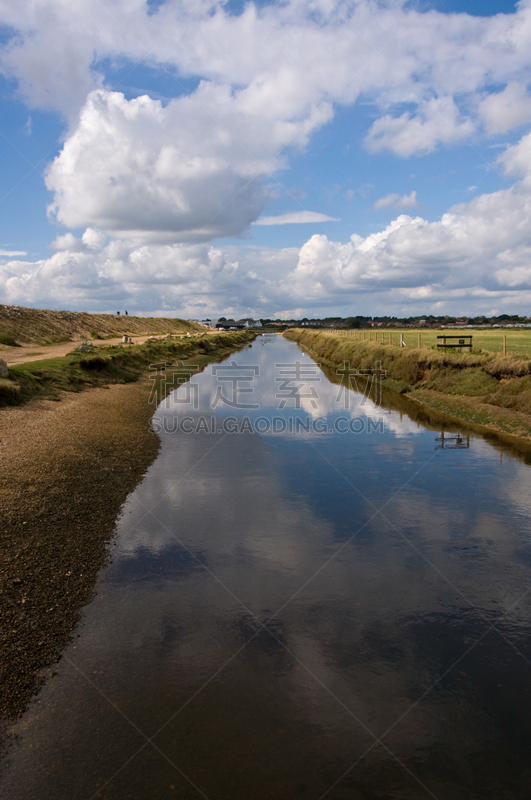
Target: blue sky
[{"x": 306, "y": 158}]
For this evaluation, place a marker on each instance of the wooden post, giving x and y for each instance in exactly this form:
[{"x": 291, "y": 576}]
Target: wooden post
[
  {"x": 419, "y": 341},
  {"x": 390, "y": 338},
  {"x": 504, "y": 344}
]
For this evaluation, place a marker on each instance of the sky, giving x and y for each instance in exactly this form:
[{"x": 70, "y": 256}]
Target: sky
[{"x": 302, "y": 158}]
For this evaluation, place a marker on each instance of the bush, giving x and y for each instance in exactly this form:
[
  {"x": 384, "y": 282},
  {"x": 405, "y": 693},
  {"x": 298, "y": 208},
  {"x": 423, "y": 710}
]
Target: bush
[
  {"x": 8, "y": 340},
  {"x": 94, "y": 363}
]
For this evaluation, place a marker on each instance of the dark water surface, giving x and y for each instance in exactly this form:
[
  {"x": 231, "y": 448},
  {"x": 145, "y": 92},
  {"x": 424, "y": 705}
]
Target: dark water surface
[{"x": 299, "y": 615}]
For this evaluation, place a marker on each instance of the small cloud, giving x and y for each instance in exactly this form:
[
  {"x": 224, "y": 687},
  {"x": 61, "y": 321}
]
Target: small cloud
[
  {"x": 28, "y": 127},
  {"x": 13, "y": 253},
  {"x": 295, "y": 217},
  {"x": 397, "y": 201}
]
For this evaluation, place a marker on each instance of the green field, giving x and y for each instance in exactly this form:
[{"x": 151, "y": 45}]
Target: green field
[{"x": 489, "y": 340}]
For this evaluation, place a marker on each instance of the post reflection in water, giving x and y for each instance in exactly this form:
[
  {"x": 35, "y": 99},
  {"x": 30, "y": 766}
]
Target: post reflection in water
[{"x": 341, "y": 612}]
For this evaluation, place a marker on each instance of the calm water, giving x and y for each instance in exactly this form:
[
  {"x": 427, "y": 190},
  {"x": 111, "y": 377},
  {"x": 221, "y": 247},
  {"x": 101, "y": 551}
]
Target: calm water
[{"x": 299, "y": 614}]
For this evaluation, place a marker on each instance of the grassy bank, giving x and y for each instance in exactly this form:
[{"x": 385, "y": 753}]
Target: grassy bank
[
  {"x": 41, "y": 326},
  {"x": 104, "y": 365},
  {"x": 488, "y": 391},
  {"x": 517, "y": 341},
  {"x": 67, "y": 468}
]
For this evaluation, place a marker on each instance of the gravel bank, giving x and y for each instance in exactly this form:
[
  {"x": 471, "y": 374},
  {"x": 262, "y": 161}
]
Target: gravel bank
[{"x": 66, "y": 469}]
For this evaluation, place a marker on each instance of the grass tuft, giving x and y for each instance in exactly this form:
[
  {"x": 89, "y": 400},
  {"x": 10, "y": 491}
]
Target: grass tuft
[{"x": 9, "y": 390}]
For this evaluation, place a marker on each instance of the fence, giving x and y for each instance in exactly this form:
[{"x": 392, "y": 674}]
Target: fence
[{"x": 490, "y": 340}]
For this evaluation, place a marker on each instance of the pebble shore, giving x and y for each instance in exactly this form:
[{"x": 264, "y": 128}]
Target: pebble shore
[{"x": 66, "y": 469}]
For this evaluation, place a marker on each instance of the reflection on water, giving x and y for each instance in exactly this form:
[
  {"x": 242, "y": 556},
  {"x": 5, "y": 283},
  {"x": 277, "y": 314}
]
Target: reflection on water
[{"x": 322, "y": 614}]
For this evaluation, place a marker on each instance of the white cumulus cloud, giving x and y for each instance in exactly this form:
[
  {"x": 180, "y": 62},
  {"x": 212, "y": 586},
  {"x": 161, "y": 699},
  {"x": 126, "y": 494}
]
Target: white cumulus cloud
[
  {"x": 477, "y": 249},
  {"x": 190, "y": 170},
  {"x": 477, "y": 255},
  {"x": 152, "y": 182}
]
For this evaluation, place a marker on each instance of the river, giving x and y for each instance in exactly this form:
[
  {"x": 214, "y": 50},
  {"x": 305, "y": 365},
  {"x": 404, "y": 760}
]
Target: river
[{"x": 316, "y": 596}]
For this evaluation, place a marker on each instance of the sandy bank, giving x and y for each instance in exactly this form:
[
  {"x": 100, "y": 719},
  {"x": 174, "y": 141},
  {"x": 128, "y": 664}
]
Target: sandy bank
[{"x": 67, "y": 467}]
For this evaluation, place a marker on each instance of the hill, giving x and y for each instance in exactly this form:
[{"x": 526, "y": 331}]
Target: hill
[{"x": 26, "y": 325}]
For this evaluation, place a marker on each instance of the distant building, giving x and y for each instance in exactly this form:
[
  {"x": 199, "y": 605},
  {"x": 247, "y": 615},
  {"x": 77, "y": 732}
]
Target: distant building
[
  {"x": 226, "y": 324},
  {"x": 229, "y": 325}
]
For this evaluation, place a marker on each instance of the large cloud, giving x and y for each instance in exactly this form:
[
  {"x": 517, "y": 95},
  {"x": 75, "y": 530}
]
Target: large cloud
[
  {"x": 189, "y": 170},
  {"x": 192, "y": 169},
  {"x": 164, "y": 177},
  {"x": 171, "y": 280},
  {"x": 286, "y": 57},
  {"x": 477, "y": 256}
]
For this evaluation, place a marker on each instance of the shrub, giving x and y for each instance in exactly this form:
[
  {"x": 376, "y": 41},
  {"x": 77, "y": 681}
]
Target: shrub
[
  {"x": 96, "y": 363},
  {"x": 8, "y": 340}
]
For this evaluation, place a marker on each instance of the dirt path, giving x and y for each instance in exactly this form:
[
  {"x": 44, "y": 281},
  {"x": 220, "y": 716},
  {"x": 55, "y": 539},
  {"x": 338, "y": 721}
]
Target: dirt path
[{"x": 34, "y": 352}]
